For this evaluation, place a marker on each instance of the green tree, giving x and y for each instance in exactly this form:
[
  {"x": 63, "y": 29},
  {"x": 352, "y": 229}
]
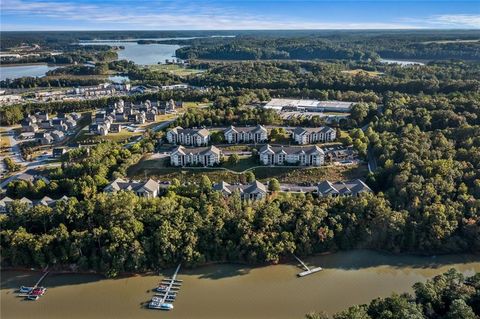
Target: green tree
[
  {"x": 233, "y": 159},
  {"x": 460, "y": 310},
  {"x": 274, "y": 185},
  {"x": 249, "y": 176},
  {"x": 355, "y": 312}
]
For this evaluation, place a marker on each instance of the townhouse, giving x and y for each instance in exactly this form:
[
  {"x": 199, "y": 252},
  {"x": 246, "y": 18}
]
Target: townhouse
[
  {"x": 147, "y": 189},
  {"x": 6, "y": 202},
  {"x": 57, "y": 135},
  {"x": 312, "y": 135},
  {"x": 43, "y": 138},
  {"x": 252, "y": 134},
  {"x": 350, "y": 188},
  {"x": 191, "y": 137},
  {"x": 204, "y": 156},
  {"x": 253, "y": 191},
  {"x": 289, "y": 155}
]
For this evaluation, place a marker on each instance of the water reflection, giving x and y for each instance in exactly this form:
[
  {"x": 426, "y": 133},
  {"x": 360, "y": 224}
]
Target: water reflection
[{"x": 233, "y": 290}]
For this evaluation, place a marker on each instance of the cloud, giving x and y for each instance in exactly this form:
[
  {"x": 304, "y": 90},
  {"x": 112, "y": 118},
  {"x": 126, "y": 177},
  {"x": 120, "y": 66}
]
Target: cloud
[
  {"x": 171, "y": 15},
  {"x": 460, "y": 20}
]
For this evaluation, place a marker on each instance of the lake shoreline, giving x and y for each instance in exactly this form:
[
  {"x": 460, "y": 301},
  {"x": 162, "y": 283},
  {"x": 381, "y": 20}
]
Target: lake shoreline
[
  {"x": 62, "y": 270},
  {"x": 33, "y": 64},
  {"x": 221, "y": 291}
]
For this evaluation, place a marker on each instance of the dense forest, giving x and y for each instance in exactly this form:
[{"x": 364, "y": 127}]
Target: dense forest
[
  {"x": 421, "y": 124},
  {"x": 73, "y": 53},
  {"x": 305, "y": 77},
  {"x": 255, "y": 45},
  {"x": 363, "y": 47},
  {"x": 447, "y": 296},
  {"x": 428, "y": 190},
  {"x": 235, "y": 84}
]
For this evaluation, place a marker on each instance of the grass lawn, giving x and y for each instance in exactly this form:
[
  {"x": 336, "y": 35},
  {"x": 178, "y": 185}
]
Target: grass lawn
[
  {"x": 311, "y": 174},
  {"x": 87, "y": 138},
  {"x": 4, "y": 141},
  {"x": 245, "y": 163},
  {"x": 360, "y": 71},
  {"x": 174, "y": 69},
  {"x": 236, "y": 147},
  {"x": 192, "y": 105},
  {"x": 343, "y": 133}
]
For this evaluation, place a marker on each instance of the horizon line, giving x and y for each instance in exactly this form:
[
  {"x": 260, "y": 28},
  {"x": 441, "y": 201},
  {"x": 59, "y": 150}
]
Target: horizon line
[{"x": 232, "y": 30}]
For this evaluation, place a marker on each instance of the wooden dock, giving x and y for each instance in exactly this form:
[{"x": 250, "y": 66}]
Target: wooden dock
[{"x": 308, "y": 271}]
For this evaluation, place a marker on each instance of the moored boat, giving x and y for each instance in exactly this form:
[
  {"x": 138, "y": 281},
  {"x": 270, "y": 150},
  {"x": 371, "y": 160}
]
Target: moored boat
[
  {"x": 40, "y": 291},
  {"x": 161, "y": 288},
  {"x": 32, "y": 297},
  {"x": 24, "y": 289},
  {"x": 166, "y": 306}
]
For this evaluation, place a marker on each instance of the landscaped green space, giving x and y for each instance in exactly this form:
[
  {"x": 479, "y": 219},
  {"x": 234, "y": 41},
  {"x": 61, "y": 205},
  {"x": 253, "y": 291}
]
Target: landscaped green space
[
  {"x": 160, "y": 169},
  {"x": 4, "y": 141},
  {"x": 190, "y": 105},
  {"x": 174, "y": 69},
  {"x": 85, "y": 137}
]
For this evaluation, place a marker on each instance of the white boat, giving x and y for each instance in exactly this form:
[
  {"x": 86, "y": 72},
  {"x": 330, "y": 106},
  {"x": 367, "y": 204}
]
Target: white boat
[
  {"x": 24, "y": 289},
  {"x": 161, "y": 306},
  {"x": 32, "y": 297},
  {"x": 166, "y": 306},
  {"x": 154, "y": 305}
]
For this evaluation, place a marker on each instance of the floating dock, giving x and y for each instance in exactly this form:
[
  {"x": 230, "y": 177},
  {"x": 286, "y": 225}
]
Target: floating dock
[
  {"x": 166, "y": 292},
  {"x": 30, "y": 292},
  {"x": 308, "y": 271}
]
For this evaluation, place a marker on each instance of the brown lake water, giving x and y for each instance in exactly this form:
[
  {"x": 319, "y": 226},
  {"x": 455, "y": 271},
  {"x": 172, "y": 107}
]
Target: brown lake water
[{"x": 232, "y": 291}]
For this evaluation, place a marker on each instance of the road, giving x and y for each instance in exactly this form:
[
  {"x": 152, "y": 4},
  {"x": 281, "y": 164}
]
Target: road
[
  {"x": 293, "y": 188},
  {"x": 372, "y": 161},
  {"x": 30, "y": 166},
  {"x": 15, "y": 153}
]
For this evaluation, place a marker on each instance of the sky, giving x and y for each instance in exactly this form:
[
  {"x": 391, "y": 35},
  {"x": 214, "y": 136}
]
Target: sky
[{"x": 21, "y": 15}]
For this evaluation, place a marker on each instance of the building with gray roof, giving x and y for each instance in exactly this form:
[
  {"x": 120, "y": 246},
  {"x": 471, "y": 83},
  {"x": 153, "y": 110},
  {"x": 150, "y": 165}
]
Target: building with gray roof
[
  {"x": 310, "y": 135},
  {"x": 250, "y": 134},
  {"x": 188, "y": 136},
  {"x": 292, "y": 155},
  {"x": 350, "y": 188},
  {"x": 204, "y": 156},
  {"x": 148, "y": 189},
  {"x": 253, "y": 191}
]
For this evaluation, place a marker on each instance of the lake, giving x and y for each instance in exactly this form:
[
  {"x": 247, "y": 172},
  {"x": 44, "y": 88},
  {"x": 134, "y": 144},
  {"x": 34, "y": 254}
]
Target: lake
[
  {"x": 18, "y": 71},
  {"x": 142, "y": 54},
  {"x": 232, "y": 291}
]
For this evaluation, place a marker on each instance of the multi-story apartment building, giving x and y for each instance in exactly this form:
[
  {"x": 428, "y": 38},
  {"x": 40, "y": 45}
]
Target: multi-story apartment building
[
  {"x": 312, "y": 135},
  {"x": 252, "y": 134},
  {"x": 288, "y": 155},
  {"x": 191, "y": 137},
  {"x": 206, "y": 156}
]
